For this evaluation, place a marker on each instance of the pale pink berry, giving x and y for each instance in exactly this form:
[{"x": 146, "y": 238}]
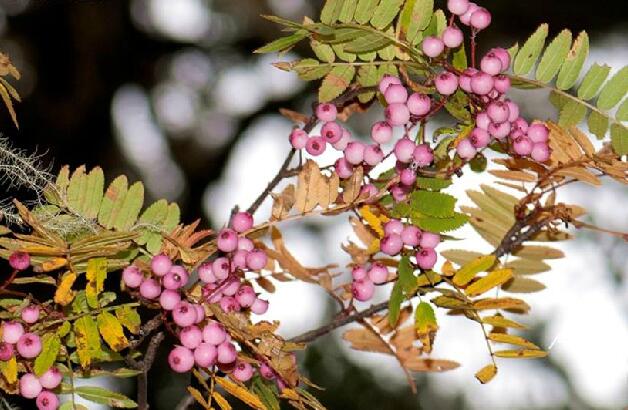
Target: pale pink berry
[
  {"x": 29, "y": 345},
  {"x": 245, "y": 296},
  {"x": 387, "y": 81},
  {"x": 391, "y": 244},
  {"x": 315, "y": 146},
  {"x": 540, "y": 152},
  {"x": 368, "y": 191},
  {"x": 411, "y": 235},
  {"x": 373, "y": 154},
  {"x": 326, "y": 112},
  {"x": 482, "y": 83},
  {"x": 538, "y": 132},
  {"x": 206, "y": 273},
  {"x": 256, "y": 259},
  {"x": 228, "y": 304},
  {"x": 242, "y": 371},
  {"x": 226, "y": 353},
  {"x": 6, "y": 351},
  {"x": 479, "y": 138},
  {"x": 394, "y": 226},
  {"x": 205, "y": 355},
  {"x": 30, "y": 314},
  {"x": 175, "y": 279},
  {"x": 214, "y": 333},
  {"x": 332, "y": 132},
  {"x": 520, "y": 124},
  {"x": 465, "y": 79},
  {"x": 378, "y": 273},
  {"x": 19, "y": 260},
  {"x": 191, "y": 337},
  {"x": 457, "y": 7},
  {"x": 397, "y": 114},
  {"x": 267, "y": 372},
  {"x": 498, "y": 112},
  {"x": 181, "y": 359},
  {"x": 522, "y": 145},
  {"x": 239, "y": 258},
  {"x": 482, "y": 121},
  {"x": 343, "y": 168},
  {"x": 184, "y": 314},
  {"x": 432, "y": 46},
  {"x": 503, "y": 56},
  {"x": 245, "y": 244},
  {"x": 381, "y": 132},
  {"x": 419, "y": 104},
  {"x": 11, "y": 332},
  {"x": 221, "y": 267},
  {"x": 47, "y": 400},
  {"x": 160, "y": 265},
  {"x": 513, "y": 110},
  {"x": 452, "y": 37},
  {"x": 132, "y": 276},
  {"x": 446, "y": 83},
  {"x": 396, "y": 93},
  {"x": 429, "y": 240},
  {"x": 200, "y": 313},
  {"x": 480, "y": 19},
  {"x": 230, "y": 287},
  {"x": 465, "y": 18},
  {"x": 501, "y": 83},
  {"x": 465, "y": 149},
  {"x": 399, "y": 193},
  {"x": 211, "y": 293},
  {"x": 298, "y": 138},
  {"x": 426, "y": 258},
  {"x": 150, "y": 288},
  {"x": 499, "y": 131},
  {"x": 29, "y": 386},
  {"x": 354, "y": 153},
  {"x": 341, "y": 144},
  {"x": 51, "y": 378},
  {"x": 404, "y": 150},
  {"x": 490, "y": 64},
  {"x": 169, "y": 299},
  {"x": 358, "y": 272},
  {"x": 260, "y": 306},
  {"x": 227, "y": 240},
  {"x": 423, "y": 155},
  {"x": 407, "y": 177},
  {"x": 363, "y": 289},
  {"x": 242, "y": 221}
]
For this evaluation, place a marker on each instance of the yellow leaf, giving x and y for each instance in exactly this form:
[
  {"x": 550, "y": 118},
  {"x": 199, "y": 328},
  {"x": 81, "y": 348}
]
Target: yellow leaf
[
  {"x": 512, "y": 304},
  {"x": 199, "y": 397},
  {"x": 486, "y": 374},
  {"x": 111, "y": 331},
  {"x": 488, "y": 282},
  {"x": 241, "y": 393},
  {"x": 448, "y": 269},
  {"x": 449, "y": 302},
  {"x": 428, "y": 278},
  {"x": 425, "y": 325},
  {"x": 64, "y": 293},
  {"x": 96, "y": 275},
  {"x": 500, "y": 321},
  {"x": 129, "y": 318},
  {"x": 87, "y": 340},
  {"x": 9, "y": 370},
  {"x": 468, "y": 271},
  {"x": 53, "y": 264},
  {"x": 221, "y": 401},
  {"x": 520, "y": 354},
  {"x": 375, "y": 222},
  {"x": 511, "y": 339}
]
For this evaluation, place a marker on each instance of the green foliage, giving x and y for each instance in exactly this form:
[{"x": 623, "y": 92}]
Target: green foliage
[
  {"x": 103, "y": 396},
  {"x": 404, "y": 287}
]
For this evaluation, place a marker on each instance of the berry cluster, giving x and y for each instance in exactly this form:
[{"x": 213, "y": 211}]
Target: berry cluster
[{"x": 331, "y": 133}]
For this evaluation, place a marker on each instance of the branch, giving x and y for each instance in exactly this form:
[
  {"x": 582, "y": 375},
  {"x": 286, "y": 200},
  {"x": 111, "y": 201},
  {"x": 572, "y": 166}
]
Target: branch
[{"x": 144, "y": 366}]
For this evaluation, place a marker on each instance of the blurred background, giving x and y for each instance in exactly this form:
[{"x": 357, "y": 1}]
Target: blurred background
[{"x": 168, "y": 91}]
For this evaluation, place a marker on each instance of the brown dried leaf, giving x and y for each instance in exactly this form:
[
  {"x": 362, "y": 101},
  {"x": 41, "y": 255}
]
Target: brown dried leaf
[
  {"x": 419, "y": 364},
  {"x": 283, "y": 203},
  {"x": 514, "y": 175},
  {"x": 294, "y": 116},
  {"x": 308, "y": 187},
  {"x": 352, "y": 186},
  {"x": 365, "y": 340}
]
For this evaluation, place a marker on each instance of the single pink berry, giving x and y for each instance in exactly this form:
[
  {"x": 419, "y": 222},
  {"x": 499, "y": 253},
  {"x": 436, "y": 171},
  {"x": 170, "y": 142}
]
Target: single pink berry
[
  {"x": 230, "y": 287},
  {"x": 181, "y": 359},
  {"x": 298, "y": 138},
  {"x": 520, "y": 124},
  {"x": 407, "y": 177},
  {"x": 221, "y": 267},
  {"x": 446, "y": 83},
  {"x": 457, "y": 7},
  {"x": 326, "y": 112},
  {"x": 343, "y": 168},
  {"x": 228, "y": 304},
  {"x": 391, "y": 244},
  {"x": 397, "y": 114},
  {"x": 243, "y": 371},
  {"x": 47, "y": 400},
  {"x": 260, "y": 306},
  {"x": 19, "y": 260},
  {"x": 538, "y": 132},
  {"x": 214, "y": 333},
  {"x": 491, "y": 64},
  {"x": 465, "y": 18},
  {"x": 354, "y": 153},
  {"x": 378, "y": 273},
  {"x": 419, "y": 104},
  {"x": 404, "y": 149},
  {"x": 160, "y": 265},
  {"x": 132, "y": 276},
  {"x": 267, "y": 372},
  {"x": 381, "y": 132},
  {"x": 387, "y": 81},
  {"x": 540, "y": 152},
  {"x": 432, "y": 46},
  {"x": 200, "y": 313},
  {"x": 498, "y": 112},
  {"x": 150, "y": 288},
  {"x": 211, "y": 293},
  {"x": 175, "y": 279},
  {"x": 169, "y": 299},
  {"x": 429, "y": 240},
  {"x": 482, "y": 121},
  {"x": 239, "y": 259},
  {"x": 503, "y": 56},
  {"x": 29, "y": 345},
  {"x": 30, "y": 314},
  {"x": 482, "y": 83},
  {"x": 51, "y": 378},
  {"x": 522, "y": 145},
  {"x": 358, "y": 272},
  {"x": 184, "y": 314},
  {"x": 396, "y": 93},
  {"x": 227, "y": 240},
  {"x": 315, "y": 146},
  {"x": 480, "y": 19},
  {"x": 29, "y": 386},
  {"x": 452, "y": 37},
  {"x": 501, "y": 83},
  {"x": 373, "y": 154},
  {"x": 399, "y": 193},
  {"x": 11, "y": 332},
  {"x": 245, "y": 296},
  {"x": 513, "y": 110},
  {"x": 465, "y": 79},
  {"x": 242, "y": 221},
  {"x": 426, "y": 258},
  {"x": 368, "y": 191},
  {"x": 245, "y": 244},
  {"x": 256, "y": 259},
  {"x": 394, "y": 226},
  {"x": 6, "y": 351},
  {"x": 332, "y": 132},
  {"x": 465, "y": 149},
  {"x": 191, "y": 337},
  {"x": 411, "y": 235},
  {"x": 341, "y": 144},
  {"x": 423, "y": 155},
  {"x": 499, "y": 131},
  {"x": 363, "y": 289},
  {"x": 226, "y": 353},
  {"x": 206, "y": 273},
  {"x": 479, "y": 138},
  {"x": 205, "y": 355}
]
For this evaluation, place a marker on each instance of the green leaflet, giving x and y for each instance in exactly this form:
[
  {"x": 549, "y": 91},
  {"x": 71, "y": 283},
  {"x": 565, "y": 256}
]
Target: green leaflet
[
  {"x": 598, "y": 124},
  {"x": 415, "y": 17},
  {"x": 85, "y": 191},
  {"x": 335, "y": 82},
  {"x": 433, "y": 184},
  {"x": 619, "y": 139},
  {"x": 265, "y": 393},
  {"x": 347, "y": 11},
  {"x": 574, "y": 62},
  {"x": 436, "y": 204},
  {"x": 367, "y": 77},
  {"x": 529, "y": 53},
  {"x": 440, "y": 225},
  {"x": 614, "y": 90},
  {"x": 364, "y": 10},
  {"x": 404, "y": 287},
  {"x": 437, "y": 25},
  {"x": 331, "y": 11},
  {"x": 554, "y": 57},
  {"x": 104, "y": 396},
  {"x": 369, "y": 41},
  {"x": 324, "y": 52},
  {"x": 459, "y": 60},
  {"x": 310, "y": 69},
  {"x": 157, "y": 219},
  {"x": 50, "y": 346},
  {"x": 592, "y": 81},
  {"x": 622, "y": 111},
  {"x": 571, "y": 114},
  {"x": 283, "y": 43},
  {"x": 385, "y": 13}
]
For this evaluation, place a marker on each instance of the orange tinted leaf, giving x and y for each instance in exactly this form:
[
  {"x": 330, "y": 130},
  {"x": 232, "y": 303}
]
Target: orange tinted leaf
[{"x": 486, "y": 374}]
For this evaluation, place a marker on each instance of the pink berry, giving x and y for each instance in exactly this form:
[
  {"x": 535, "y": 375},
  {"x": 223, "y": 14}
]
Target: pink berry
[
  {"x": 29, "y": 386},
  {"x": 479, "y": 138},
  {"x": 520, "y": 124},
  {"x": 245, "y": 296},
  {"x": 399, "y": 193},
  {"x": 407, "y": 177},
  {"x": 396, "y": 93},
  {"x": 160, "y": 265},
  {"x": 221, "y": 267},
  {"x": 226, "y": 353},
  {"x": 482, "y": 121},
  {"x": 419, "y": 104},
  {"x": 491, "y": 64},
  {"x": 260, "y": 306},
  {"x": 191, "y": 337},
  {"x": 381, "y": 132},
  {"x": 169, "y": 299},
  {"x": 465, "y": 79},
  {"x": 465, "y": 18},
  {"x": 230, "y": 287},
  {"x": 343, "y": 168},
  {"x": 482, "y": 83},
  {"x": 358, "y": 272},
  {"x": 378, "y": 273},
  {"x": 501, "y": 83},
  {"x": 30, "y": 314},
  {"x": 429, "y": 240},
  {"x": 465, "y": 149},
  {"x": 175, "y": 279},
  {"x": 6, "y": 351},
  {"x": 29, "y": 345},
  {"x": 480, "y": 19},
  {"x": 214, "y": 333},
  {"x": 426, "y": 258},
  {"x": 522, "y": 145},
  {"x": 298, "y": 138},
  {"x": 315, "y": 146},
  {"x": 397, "y": 114},
  {"x": 184, "y": 314},
  {"x": 404, "y": 150},
  {"x": 205, "y": 355},
  {"x": 51, "y": 378},
  {"x": 239, "y": 258},
  {"x": 200, "y": 313},
  {"x": 513, "y": 111},
  {"x": 411, "y": 235},
  {"x": 47, "y": 400},
  {"x": 267, "y": 372},
  {"x": 228, "y": 304},
  {"x": 452, "y": 37},
  {"x": 11, "y": 332},
  {"x": 354, "y": 153},
  {"x": 341, "y": 144},
  {"x": 206, "y": 273},
  {"x": 326, "y": 112},
  {"x": 242, "y": 221},
  {"x": 362, "y": 289},
  {"x": 19, "y": 260},
  {"x": 538, "y": 132},
  {"x": 432, "y": 46},
  {"x": 245, "y": 244},
  {"x": 256, "y": 259},
  {"x": 332, "y": 132},
  {"x": 499, "y": 131},
  {"x": 423, "y": 155},
  {"x": 498, "y": 112},
  {"x": 503, "y": 56},
  {"x": 150, "y": 288},
  {"x": 373, "y": 154},
  {"x": 181, "y": 359},
  {"x": 540, "y": 152},
  {"x": 394, "y": 226},
  {"x": 242, "y": 371},
  {"x": 446, "y": 83},
  {"x": 387, "y": 81},
  {"x": 457, "y": 7},
  {"x": 132, "y": 276},
  {"x": 227, "y": 240},
  {"x": 391, "y": 244}
]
